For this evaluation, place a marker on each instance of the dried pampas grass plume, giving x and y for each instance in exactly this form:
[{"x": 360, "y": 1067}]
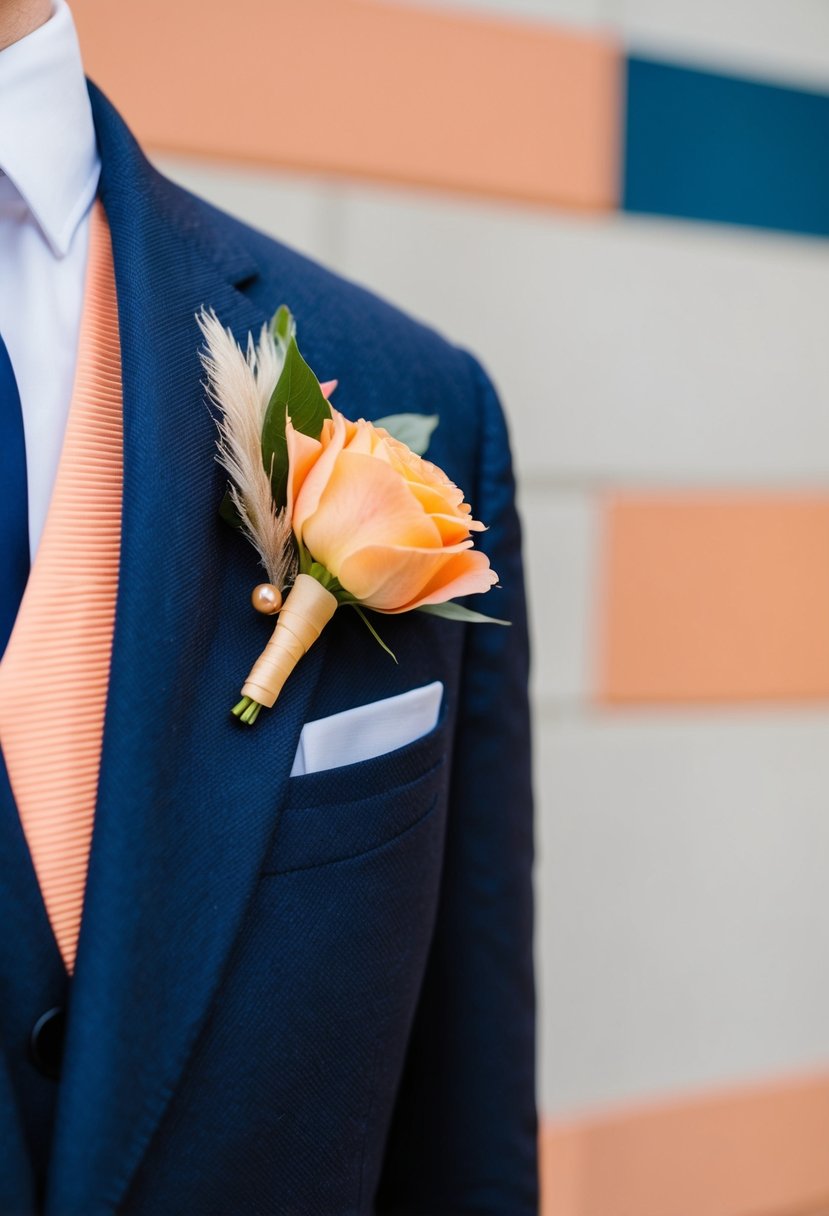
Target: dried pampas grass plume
[{"x": 241, "y": 384}]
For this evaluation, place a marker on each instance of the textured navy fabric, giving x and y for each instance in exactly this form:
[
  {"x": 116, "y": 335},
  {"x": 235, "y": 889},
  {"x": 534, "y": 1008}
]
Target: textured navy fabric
[
  {"x": 295, "y": 995},
  {"x": 32, "y": 980},
  {"x": 14, "y": 505}
]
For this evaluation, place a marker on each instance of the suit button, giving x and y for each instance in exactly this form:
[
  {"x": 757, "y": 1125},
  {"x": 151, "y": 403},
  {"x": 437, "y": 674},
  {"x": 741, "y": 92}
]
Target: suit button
[{"x": 46, "y": 1041}]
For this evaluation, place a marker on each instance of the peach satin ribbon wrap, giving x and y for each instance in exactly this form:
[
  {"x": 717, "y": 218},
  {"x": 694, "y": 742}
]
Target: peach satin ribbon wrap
[{"x": 55, "y": 671}]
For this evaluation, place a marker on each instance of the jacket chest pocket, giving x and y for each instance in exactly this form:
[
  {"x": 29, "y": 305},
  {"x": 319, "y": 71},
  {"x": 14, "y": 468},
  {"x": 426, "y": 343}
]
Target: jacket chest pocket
[{"x": 347, "y": 811}]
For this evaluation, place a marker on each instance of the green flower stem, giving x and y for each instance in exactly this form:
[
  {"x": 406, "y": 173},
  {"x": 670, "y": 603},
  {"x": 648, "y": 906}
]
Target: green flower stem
[{"x": 247, "y": 710}]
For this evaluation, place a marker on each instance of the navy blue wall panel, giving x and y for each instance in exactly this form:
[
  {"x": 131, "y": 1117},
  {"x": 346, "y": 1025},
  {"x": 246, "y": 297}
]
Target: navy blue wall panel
[{"x": 711, "y": 147}]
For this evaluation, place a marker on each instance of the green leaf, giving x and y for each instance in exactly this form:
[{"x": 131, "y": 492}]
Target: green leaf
[
  {"x": 228, "y": 512},
  {"x": 456, "y": 612},
  {"x": 297, "y": 393},
  {"x": 283, "y": 325},
  {"x": 415, "y": 430},
  {"x": 326, "y": 579},
  {"x": 373, "y": 631}
]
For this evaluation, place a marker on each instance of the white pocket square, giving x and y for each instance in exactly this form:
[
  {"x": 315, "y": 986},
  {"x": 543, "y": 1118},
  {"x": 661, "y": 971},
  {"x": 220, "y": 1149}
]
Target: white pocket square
[{"x": 367, "y": 730}]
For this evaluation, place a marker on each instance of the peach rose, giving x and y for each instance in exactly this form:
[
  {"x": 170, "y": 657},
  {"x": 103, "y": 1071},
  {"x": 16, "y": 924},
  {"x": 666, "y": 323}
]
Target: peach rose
[{"x": 390, "y": 526}]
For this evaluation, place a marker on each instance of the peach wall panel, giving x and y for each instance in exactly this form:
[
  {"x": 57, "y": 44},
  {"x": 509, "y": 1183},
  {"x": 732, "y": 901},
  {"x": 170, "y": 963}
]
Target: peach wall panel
[
  {"x": 715, "y": 598},
  {"x": 758, "y": 1151},
  {"x": 367, "y": 89}
]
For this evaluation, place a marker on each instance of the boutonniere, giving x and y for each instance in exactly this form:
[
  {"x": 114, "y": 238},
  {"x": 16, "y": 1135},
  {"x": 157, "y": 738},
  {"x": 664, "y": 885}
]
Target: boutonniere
[{"x": 340, "y": 512}]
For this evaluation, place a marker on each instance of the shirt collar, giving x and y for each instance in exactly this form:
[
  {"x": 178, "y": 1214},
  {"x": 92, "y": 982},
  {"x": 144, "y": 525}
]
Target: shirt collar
[{"x": 47, "y": 136}]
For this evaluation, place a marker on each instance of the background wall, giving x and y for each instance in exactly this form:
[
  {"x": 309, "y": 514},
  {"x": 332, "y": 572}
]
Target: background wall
[{"x": 638, "y": 254}]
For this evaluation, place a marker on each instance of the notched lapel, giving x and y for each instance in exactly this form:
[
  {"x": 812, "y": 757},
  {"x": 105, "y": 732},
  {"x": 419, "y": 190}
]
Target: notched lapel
[
  {"x": 17, "y": 1178},
  {"x": 188, "y": 799}
]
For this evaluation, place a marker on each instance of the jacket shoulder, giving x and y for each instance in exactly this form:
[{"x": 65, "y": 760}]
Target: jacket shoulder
[
  {"x": 385, "y": 361},
  {"x": 350, "y": 330}
]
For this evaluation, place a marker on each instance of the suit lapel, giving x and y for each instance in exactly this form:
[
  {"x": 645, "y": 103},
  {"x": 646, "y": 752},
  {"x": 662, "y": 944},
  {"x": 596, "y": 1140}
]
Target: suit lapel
[
  {"x": 33, "y": 980},
  {"x": 17, "y": 1178},
  {"x": 187, "y": 798}
]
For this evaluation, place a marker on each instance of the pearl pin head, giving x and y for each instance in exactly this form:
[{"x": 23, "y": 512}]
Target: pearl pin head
[{"x": 266, "y": 598}]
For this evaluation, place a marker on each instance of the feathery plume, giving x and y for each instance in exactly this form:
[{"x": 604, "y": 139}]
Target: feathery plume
[{"x": 240, "y": 384}]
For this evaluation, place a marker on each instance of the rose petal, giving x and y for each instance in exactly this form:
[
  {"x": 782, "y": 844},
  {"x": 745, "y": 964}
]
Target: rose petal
[
  {"x": 393, "y": 577},
  {"x": 362, "y": 439},
  {"x": 302, "y": 452},
  {"x": 433, "y": 501},
  {"x": 391, "y": 526},
  {"x": 386, "y": 577},
  {"x": 334, "y": 434},
  {"x": 364, "y": 502},
  {"x": 467, "y": 573}
]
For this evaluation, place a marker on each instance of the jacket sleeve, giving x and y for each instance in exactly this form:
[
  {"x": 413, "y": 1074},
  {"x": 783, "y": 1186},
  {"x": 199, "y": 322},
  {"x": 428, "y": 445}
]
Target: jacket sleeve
[{"x": 464, "y": 1134}]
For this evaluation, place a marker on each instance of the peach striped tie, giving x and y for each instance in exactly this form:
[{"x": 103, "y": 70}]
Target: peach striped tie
[{"x": 54, "y": 673}]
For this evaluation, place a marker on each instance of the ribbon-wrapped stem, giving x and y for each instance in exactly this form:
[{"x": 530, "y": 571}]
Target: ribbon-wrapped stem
[{"x": 307, "y": 610}]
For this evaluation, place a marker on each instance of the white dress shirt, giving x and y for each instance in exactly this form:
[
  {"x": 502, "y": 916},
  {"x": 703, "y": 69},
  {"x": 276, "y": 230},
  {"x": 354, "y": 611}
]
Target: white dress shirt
[{"x": 49, "y": 170}]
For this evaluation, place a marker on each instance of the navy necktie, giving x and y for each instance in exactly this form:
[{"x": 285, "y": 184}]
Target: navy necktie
[{"x": 14, "y": 505}]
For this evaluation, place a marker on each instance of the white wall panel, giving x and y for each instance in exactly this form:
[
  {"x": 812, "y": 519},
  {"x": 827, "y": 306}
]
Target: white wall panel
[
  {"x": 787, "y": 40},
  {"x": 586, "y": 12},
  {"x": 626, "y": 349},
  {"x": 295, "y": 209},
  {"x": 684, "y": 921},
  {"x": 560, "y": 556}
]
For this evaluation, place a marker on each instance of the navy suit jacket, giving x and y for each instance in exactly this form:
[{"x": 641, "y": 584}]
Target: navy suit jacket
[{"x": 301, "y": 995}]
